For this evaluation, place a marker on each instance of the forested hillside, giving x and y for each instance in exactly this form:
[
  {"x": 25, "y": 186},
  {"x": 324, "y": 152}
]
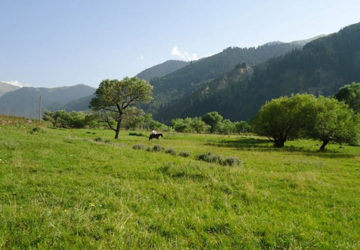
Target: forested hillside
[
  {"x": 321, "y": 68},
  {"x": 190, "y": 78}
]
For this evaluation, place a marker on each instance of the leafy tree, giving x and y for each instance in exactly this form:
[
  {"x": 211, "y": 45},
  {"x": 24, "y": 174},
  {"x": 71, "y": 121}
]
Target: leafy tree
[
  {"x": 242, "y": 127},
  {"x": 181, "y": 125},
  {"x": 334, "y": 121},
  {"x": 198, "y": 125},
  {"x": 226, "y": 127},
  {"x": 350, "y": 94},
  {"x": 133, "y": 118},
  {"x": 284, "y": 118},
  {"x": 113, "y": 97},
  {"x": 213, "y": 119}
]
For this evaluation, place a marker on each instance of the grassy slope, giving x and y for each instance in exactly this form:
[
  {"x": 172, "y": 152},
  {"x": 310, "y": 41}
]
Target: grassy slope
[{"x": 60, "y": 188}]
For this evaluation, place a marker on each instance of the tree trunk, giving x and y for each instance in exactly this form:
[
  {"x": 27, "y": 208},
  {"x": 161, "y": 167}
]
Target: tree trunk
[
  {"x": 279, "y": 143},
  {"x": 322, "y": 148},
  {"x": 117, "y": 131}
]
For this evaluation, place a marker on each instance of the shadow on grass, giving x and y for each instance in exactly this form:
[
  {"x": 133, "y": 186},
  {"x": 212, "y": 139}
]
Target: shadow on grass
[{"x": 257, "y": 144}]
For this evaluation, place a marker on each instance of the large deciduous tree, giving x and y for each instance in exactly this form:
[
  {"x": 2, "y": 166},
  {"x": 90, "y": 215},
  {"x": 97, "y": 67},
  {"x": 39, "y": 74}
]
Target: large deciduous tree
[
  {"x": 113, "y": 97},
  {"x": 334, "y": 121},
  {"x": 284, "y": 118}
]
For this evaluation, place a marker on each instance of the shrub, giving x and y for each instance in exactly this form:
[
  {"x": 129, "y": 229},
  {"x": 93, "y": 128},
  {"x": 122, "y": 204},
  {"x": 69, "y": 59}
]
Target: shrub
[
  {"x": 209, "y": 157},
  {"x": 136, "y": 134},
  {"x": 36, "y": 130},
  {"x": 230, "y": 161},
  {"x": 98, "y": 139},
  {"x": 170, "y": 151},
  {"x": 148, "y": 149},
  {"x": 157, "y": 148},
  {"x": 139, "y": 147},
  {"x": 10, "y": 144},
  {"x": 184, "y": 154}
]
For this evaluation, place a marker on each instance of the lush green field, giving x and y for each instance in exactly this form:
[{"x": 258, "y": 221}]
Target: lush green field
[{"x": 62, "y": 189}]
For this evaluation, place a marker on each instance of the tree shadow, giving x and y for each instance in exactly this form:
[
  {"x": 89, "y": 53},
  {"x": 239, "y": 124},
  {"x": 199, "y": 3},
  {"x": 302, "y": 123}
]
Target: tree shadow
[{"x": 264, "y": 145}]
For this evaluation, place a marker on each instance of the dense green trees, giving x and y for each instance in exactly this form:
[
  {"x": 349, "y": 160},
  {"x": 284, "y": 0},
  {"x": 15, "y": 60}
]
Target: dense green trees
[
  {"x": 350, "y": 94},
  {"x": 213, "y": 119},
  {"x": 303, "y": 115},
  {"x": 211, "y": 122},
  {"x": 283, "y": 118},
  {"x": 113, "y": 97},
  {"x": 74, "y": 119},
  {"x": 334, "y": 121}
]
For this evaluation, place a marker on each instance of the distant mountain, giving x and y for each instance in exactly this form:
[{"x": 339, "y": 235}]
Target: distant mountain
[
  {"x": 189, "y": 79},
  {"x": 80, "y": 104},
  {"x": 25, "y": 101},
  {"x": 5, "y": 88},
  {"x": 320, "y": 68},
  {"x": 161, "y": 70}
]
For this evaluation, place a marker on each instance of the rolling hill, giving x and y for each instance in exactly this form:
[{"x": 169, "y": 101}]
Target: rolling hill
[
  {"x": 24, "y": 101},
  {"x": 5, "y": 88}
]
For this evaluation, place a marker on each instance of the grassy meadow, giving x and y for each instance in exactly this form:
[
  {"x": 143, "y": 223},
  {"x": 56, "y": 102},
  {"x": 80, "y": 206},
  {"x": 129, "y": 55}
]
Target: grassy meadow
[{"x": 80, "y": 188}]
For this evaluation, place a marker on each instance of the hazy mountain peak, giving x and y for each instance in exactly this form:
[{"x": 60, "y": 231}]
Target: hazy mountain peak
[{"x": 161, "y": 69}]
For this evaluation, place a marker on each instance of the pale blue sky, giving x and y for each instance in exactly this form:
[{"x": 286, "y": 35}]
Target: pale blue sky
[{"x": 64, "y": 42}]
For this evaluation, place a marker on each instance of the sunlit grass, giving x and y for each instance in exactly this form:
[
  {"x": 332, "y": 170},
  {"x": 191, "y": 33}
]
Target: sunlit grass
[{"x": 64, "y": 189}]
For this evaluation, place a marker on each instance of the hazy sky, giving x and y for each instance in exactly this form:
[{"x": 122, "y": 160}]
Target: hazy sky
[{"x": 65, "y": 42}]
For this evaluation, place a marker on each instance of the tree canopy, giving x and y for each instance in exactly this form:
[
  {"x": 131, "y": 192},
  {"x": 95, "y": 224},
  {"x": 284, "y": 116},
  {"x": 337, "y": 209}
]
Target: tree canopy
[
  {"x": 350, "y": 94},
  {"x": 334, "y": 121},
  {"x": 284, "y": 118},
  {"x": 113, "y": 97}
]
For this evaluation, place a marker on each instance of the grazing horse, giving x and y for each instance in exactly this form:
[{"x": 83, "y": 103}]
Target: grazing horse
[{"x": 152, "y": 136}]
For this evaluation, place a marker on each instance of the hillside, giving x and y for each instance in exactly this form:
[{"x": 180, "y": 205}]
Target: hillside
[
  {"x": 190, "y": 78},
  {"x": 161, "y": 70},
  {"x": 25, "y": 101},
  {"x": 320, "y": 68},
  {"x": 5, "y": 88}
]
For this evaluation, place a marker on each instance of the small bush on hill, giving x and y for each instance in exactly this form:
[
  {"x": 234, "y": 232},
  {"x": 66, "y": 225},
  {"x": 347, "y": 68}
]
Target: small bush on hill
[
  {"x": 98, "y": 139},
  {"x": 139, "y": 147},
  {"x": 36, "y": 130},
  {"x": 209, "y": 157},
  {"x": 184, "y": 154},
  {"x": 230, "y": 161},
  {"x": 157, "y": 148},
  {"x": 170, "y": 151},
  {"x": 136, "y": 134}
]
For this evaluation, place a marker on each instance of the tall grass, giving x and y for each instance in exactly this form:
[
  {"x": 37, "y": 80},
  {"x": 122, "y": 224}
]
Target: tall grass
[{"x": 61, "y": 189}]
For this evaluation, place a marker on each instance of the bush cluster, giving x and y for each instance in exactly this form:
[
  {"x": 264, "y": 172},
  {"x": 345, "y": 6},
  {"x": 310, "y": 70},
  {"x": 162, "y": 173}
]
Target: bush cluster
[
  {"x": 212, "y": 158},
  {"x": 170, "y": 151},
  {"x": 211, "y": 122},
  {"x": 139, "y": 147},
  {"x": 62, "y": 119},
  {"x": 184, "y": 154},
  {"x": 136, "y": 134}
]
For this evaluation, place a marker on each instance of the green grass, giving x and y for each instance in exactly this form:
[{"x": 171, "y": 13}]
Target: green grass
[{"x": 62, "y": 189}]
